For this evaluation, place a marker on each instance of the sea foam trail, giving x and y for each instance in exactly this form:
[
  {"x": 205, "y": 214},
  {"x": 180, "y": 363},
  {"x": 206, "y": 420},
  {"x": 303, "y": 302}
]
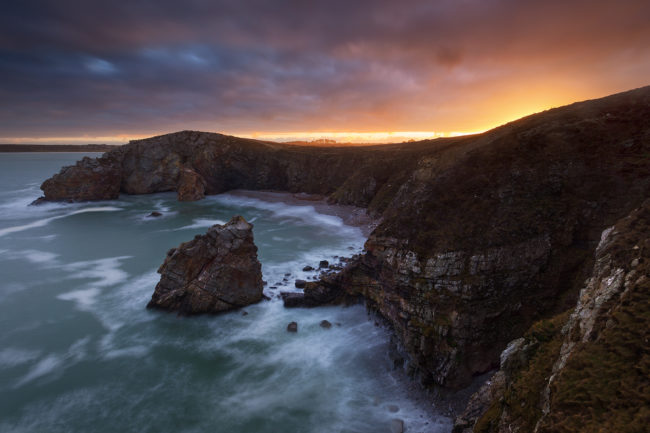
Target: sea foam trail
[
  {"x": 306, "y": 213},
  {"x": 45, "y": 221}
]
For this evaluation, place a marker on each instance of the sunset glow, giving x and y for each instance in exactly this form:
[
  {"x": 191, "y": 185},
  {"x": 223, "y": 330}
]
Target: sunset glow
[{"x": 374, "y": 71}]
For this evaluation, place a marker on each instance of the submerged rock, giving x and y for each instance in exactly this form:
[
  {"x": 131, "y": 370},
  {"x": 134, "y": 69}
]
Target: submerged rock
[
  {"x": 325, "y": 324},
  {"x": 215, "y": 272},
  {"x": 154, "y": 214},
  {"x": 292, "y": 327},
  {"x": 397, "y": 426}
]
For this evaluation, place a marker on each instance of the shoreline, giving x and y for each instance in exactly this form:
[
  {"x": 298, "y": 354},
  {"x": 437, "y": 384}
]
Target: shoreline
[{"x": 350, "y": 215}]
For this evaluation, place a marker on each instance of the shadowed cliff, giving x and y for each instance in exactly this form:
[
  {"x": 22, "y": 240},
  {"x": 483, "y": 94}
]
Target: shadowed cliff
[{"x": 480, "y": 236}]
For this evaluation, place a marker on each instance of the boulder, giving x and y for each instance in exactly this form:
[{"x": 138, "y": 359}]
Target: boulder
[
  {"x": 325, "y": 324},
  {"x": 215, "y": 272},
  {"x": 323, "y": 264},
  {"x": 300, "y": 284},
  {"x": 292, "y": 327}
]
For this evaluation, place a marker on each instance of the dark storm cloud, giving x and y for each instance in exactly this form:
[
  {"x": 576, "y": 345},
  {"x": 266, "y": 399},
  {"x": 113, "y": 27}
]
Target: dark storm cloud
[{"x": 98, "y": 67}]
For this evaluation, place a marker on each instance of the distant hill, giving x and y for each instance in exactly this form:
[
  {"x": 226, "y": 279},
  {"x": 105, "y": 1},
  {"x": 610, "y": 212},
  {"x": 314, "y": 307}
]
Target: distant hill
[{"x": 57, "y": 147}]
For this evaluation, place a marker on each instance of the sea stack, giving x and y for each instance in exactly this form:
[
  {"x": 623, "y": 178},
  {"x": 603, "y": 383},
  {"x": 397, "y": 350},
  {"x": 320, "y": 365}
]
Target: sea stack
[{"x": 212, "y": 273}]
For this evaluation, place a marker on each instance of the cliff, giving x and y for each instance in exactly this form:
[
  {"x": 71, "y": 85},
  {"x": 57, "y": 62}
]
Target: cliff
[
  {"x": 480, "y": 236},
  {"x": 587, "y": 370}
]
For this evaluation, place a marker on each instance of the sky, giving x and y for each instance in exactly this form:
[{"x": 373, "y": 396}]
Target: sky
[{"x": 353, "y": 70}]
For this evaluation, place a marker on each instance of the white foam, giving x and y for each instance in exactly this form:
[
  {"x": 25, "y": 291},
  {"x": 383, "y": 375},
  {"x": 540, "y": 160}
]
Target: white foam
[
  {"x": 55, "y": 363},
  {"x": 33, "y": 256},
  {"x": 11, "y": 356},
  {"x": 45, "y": 221},
  {"x": 83, "y": 298},
  {"x": 45, "y": 366},
  {"x": 106, "y": 271},
  {"x": 202, "y": 223},
  {"x": 306, "y": 213}
]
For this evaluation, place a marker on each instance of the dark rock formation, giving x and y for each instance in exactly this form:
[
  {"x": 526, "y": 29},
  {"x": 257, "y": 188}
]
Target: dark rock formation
[
  {"x": 215, "y": 272},
  {"x": 154, "y": 214},
  {"x": 292, "y": 327},
  {"x": 480, "y": 236},
  {"x": 89, "y": 179},
  {"x": 587, "y": 370},
  {"x": 325, "y": 324},
  {"x": 300, "y": 284}
]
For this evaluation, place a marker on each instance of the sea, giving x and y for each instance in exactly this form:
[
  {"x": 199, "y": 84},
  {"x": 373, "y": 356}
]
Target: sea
[{"x": 79, "y": 352}]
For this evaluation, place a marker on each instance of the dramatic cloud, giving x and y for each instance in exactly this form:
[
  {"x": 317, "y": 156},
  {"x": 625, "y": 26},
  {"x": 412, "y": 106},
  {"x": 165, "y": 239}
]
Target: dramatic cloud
[{"x": 70, "y": 68}]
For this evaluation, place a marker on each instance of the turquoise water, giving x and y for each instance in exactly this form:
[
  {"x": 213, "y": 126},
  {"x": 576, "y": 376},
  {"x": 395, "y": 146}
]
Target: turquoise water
[{"x": 80, "y": 353}]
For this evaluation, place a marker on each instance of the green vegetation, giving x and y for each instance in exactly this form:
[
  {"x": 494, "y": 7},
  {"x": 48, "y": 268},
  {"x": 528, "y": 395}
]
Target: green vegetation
[
  {"x": 523, "y": 397},
  {"x": 605, "y": 386}
]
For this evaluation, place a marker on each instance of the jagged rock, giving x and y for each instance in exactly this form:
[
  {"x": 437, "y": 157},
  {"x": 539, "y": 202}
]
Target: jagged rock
[
  {"x": 300, "y": 284},
  {"x": 323, "y": 264},
  {"x": 325, "y": 324},
  {"x": 576, "y": 364},
  {"x": 292, "y": 327},
  {"x": 307, "y": 268},
  {"x": 293, "y": 300},
  {"x": 215, "y": 272},
  {"x": 88, "y": 179},
  {"x": 191, "y": 186}
]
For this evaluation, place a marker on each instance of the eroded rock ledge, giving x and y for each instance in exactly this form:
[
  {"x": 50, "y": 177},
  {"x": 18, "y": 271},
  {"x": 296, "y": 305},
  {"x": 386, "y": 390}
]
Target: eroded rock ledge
[
  {"x": 587, "y": 369},
  {"x": 480, "y": 236},
  {"x": 215, "y": 272}
]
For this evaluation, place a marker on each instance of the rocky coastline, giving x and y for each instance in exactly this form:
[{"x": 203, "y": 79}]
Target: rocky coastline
[{"x": 479, "y": 238}]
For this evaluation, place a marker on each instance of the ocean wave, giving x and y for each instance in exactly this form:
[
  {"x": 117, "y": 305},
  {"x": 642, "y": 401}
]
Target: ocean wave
[{"x": 45, "y": 221}]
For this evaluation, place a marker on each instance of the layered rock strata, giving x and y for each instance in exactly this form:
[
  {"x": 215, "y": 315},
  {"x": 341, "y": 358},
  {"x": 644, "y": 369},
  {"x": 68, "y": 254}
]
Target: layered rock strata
[
  {"x": 586, "y": 370},
  {"x": 215, "y": 272},
  {"x": 479, "y": 236}
]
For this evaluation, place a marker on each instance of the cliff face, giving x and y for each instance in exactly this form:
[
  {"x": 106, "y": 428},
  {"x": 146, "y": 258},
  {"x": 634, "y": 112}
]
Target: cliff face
[
  {"x": 587, "y": 370},
  {"x": 480, "y": 236}
]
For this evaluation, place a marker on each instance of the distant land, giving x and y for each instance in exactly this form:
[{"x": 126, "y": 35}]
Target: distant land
[{"x": 57, "y": 147}]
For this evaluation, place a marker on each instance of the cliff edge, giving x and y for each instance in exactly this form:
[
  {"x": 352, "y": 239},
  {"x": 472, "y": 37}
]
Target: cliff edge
[{"x": 480, "y": 236}]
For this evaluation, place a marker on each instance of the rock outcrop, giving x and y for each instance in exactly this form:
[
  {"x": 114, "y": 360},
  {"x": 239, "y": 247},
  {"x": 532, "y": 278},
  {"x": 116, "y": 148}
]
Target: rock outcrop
[
  {"x": 89, "y": 179},
  {"x": 480, "y": 236},
  {"x": 588, "y": 369},
  {"x": 215, "y": 272}
]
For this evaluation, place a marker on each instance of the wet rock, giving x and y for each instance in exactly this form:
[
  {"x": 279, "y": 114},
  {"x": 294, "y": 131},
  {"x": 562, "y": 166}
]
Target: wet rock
[
  {"x": 325, "y": 324},
  {"x": 323, "y": 264},
  {"x": 397, "y": 426},
  {"x": 215, "y": 272},
  {"x": 292, "y": 327},
  {"x": 300, "y": 284},
  {"x": 154, "y": 214},
  {"x": 244, "y": 313},
  {"x": 393, "y": 408},
  {"x": 88, "y": 179},
  {"x": 191, "y": 186},
  {"x": 307, "y": 268}
]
